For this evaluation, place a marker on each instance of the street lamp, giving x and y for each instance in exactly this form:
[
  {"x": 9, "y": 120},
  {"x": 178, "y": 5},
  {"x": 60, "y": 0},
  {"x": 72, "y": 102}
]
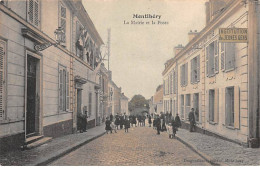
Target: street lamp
[{"x": 59, "y": 37}]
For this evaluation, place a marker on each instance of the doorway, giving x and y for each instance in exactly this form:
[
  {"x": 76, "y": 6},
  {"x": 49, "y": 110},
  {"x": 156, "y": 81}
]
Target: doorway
[
  {"x": 196, "y": 106},
  {"x": 32, "y": 98},
  {"x": 79, "y": 102}
]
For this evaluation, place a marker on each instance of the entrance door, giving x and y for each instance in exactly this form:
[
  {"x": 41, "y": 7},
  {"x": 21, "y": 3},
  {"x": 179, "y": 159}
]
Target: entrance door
[
  {"x": 196, "y": 105},
  {"x": 31, "y": 95},
  {"x": 79, "y": 101}
]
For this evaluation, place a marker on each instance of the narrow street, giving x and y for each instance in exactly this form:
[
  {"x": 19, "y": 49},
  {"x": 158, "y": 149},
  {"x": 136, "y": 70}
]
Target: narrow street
[{"x": 141, "y": 146}]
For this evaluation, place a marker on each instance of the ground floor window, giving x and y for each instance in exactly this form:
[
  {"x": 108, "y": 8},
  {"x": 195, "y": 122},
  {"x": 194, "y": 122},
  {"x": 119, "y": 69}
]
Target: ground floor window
[
  {"x": 230, "y": 106},
  {"x": 63, "y": 88},
  {"x": 182, "y": 106}
]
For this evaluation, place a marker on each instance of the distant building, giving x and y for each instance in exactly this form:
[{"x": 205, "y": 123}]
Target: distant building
[
  {"x": 219, "y": 80},
  {"x": 124, "y": 104}
]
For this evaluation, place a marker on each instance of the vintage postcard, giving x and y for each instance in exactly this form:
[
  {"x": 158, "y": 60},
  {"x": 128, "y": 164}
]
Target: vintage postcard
[{"x": 129, "y": 82}]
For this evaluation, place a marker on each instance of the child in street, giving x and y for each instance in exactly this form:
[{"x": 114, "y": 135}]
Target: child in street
[
  {"x": 127, "y": 125},
  {"x": 113, "y": 127},
  {"x": 169, "y": 130}
]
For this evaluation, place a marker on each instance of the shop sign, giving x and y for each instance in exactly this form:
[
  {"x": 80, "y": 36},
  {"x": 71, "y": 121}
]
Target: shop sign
[{"x": 233, "y": 35}]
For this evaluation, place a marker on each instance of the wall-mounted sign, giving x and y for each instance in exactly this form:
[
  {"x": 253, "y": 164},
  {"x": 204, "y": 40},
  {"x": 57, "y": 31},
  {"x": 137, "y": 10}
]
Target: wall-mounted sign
[{"x": 235, "y": 35}]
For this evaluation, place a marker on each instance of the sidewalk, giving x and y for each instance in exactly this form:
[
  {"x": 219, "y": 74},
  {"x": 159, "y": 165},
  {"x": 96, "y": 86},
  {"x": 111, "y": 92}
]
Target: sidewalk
[
  {"x": 48, "y": 152},
  {"x": 218, "y": 151}
]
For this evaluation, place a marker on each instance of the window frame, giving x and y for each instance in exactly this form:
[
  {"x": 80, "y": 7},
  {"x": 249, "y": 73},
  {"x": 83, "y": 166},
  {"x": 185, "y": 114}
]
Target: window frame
[
  {"x": 65, "y": 93},
  {"x": 61, "y": 5},
  {"x": 33, "y": 16},
  {"x": 4, "y": 88}
]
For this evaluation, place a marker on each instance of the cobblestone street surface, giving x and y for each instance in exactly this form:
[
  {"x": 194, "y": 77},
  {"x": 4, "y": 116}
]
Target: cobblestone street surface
[
  {"x": 141, "y": 146},
  {"x": 57, "y": 146},
  {"x": 219, "y": 150}
]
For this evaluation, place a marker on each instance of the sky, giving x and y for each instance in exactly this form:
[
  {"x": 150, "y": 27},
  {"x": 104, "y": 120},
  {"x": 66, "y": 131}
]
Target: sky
[{"x": 139, "y": 51}]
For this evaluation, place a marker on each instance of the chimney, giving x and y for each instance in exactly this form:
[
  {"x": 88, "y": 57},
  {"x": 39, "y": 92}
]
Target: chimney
[
  {"x": 177, "y": 49},
  {"x": 191, "y": 34}
]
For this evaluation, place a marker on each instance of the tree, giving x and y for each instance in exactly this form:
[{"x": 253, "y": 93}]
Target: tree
[{"x": 138, "y": 101}]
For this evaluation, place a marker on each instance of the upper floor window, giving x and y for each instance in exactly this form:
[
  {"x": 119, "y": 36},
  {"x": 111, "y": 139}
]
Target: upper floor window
[
  {"x": 174, "y": 82},
  {"x": 62, "y": 19},
  {"x": 228, "y": 55},
  {"x": 212, "y": 59},
  {"x": 195, "y": 69},
  {"x": 184, "y": 74},
  {"x": 33, "y": 12}
]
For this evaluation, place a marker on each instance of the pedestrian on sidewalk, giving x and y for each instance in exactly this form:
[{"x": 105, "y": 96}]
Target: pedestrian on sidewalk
[
  {"x": 150, "y": 120},
  {"x": 192, "y": 120},
  {"x": 111, "y": 117},
  {"x": 134, "y": 120},
  {"x": 127, "y": 125},
  {"x": 178, "y": 121},
  {"x": 108, "y": 128}
]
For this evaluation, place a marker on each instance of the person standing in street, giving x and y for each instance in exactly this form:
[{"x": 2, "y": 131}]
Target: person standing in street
[
  {"x": 150, "y": 120},
  {"x": 134, "y": 120},
  {"x": 174, "y": 127},
  {"x": 178, "y": 121},
  {"x": 121, "y": 121},
  {"x": 117, "y": 121},
  {"x": 111, "y": 117},
  {"x": 127, "y": 125},
  {"x": 158, "y": 125},
  {"x": 108, "y": 127},
  {"x": 192, "y": 120}
]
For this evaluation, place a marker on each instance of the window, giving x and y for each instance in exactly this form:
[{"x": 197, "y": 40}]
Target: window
[
  {"x": 174, "y": 82},
  {"x": 163, "y": 87},
  {"x": 195, "y": 69},
  {"x": 182, "y": 106},
  {"x": 230, "y": 55},
  {"x": 89, "y": 104},
  {"x": 171, "y": 84},
  {"x": 212, "y": 59},
  {"x": 184, "y": 74},
  {"x": 2, "y": 79},
  {"x": 33, "y": 10},
  {"x": 211, "y": 105},
  {"x": 187, "y": 108},
  {"x": 230, "y": 106},
  {"x": 64, "y": 97},
  {"x": 62, "y": 19}
]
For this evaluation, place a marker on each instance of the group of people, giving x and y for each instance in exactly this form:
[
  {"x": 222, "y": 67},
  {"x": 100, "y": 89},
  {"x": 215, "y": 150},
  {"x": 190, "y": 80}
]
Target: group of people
[
  {"x": 117, "y": 122},
  {"x": 164, "y": 122}
]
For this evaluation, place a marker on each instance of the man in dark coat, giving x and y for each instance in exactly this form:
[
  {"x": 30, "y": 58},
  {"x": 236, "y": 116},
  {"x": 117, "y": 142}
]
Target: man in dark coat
[
  {"x": 158, "y": 125},
  {"x": 108, "y": 127},
  {"x": 150, "y": 120},
  {"x": 121, "y": 121},
  {"x": 178, "y": 121},
  {"x": 192, "y": 120},
  {"x": 111, "y": 117}
]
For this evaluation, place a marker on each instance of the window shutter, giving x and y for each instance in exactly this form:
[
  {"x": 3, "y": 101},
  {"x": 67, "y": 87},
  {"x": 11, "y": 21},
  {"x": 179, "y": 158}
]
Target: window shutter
[
  {"x": 216, "y": 105},
  {"x": 186, "y": 73},
  {"x": 226, "y": 108},
  {"x": 67, "y": 92},
  {"x": 191, "y": 71},
  {"x": 207, "y": 61},
  {"x": 200, "y": 107},
  {"x": 198, "y": 68},
  {"x": 223, "y": 106},
  {"x": 236, "y": 107},
  {"x": 30, "y": 9},
  {"x": 36, "y": 13},
  {"x": 222, "y": 56},
  {"x": 60, "y": 89},
  {"x": 2, "y": 79},
  {"x": 216, "y": 56},
  {"x": 230, "y": 56},
  {"x": 207, "y": 105}
]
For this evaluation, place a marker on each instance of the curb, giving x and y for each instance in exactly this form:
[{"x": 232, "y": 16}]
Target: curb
[
  {"x": 63, "y": 152},
  {"x": 201, "y": 154}
]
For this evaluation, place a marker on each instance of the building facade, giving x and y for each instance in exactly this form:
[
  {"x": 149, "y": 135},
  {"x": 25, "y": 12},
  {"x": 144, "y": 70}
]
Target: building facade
[
  {"x": 124, "y": 104},
  {"x": 45, "y": 84},
  {"x": 219, "y": 80}
]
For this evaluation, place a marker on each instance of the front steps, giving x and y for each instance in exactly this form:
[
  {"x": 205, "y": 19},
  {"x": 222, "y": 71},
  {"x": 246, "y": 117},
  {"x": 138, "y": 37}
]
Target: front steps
[{"x": 35, "y": 141}]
